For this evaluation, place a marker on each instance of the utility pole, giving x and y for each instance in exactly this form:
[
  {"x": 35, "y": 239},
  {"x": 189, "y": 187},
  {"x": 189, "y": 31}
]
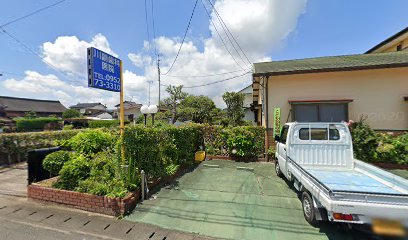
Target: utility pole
[
  {"x": 150, "y": 82},
  {"x": 158, "y": 73}
]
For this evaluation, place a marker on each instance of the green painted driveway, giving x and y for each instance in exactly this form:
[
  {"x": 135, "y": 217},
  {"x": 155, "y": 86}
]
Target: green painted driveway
[{"x": 231, "y": 203}]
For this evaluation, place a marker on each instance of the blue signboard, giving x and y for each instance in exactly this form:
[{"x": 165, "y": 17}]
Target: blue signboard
[{"x": 103, "y": 70}]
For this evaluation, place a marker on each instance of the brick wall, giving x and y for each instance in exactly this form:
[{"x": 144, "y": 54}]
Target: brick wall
[
  {"x": 98, "y": 204},
  {"x": 84, "y": 201}
]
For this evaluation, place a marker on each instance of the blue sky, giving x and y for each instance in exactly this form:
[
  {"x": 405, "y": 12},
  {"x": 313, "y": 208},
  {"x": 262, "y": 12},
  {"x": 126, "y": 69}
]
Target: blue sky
[{"x": 295, "y": 29}]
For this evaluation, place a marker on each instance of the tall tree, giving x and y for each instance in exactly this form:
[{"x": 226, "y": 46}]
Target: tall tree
[
  {"x": 235, "y": 107},
  {"x": 199, "y": 109},
  {"x": 176, "y": 96}
]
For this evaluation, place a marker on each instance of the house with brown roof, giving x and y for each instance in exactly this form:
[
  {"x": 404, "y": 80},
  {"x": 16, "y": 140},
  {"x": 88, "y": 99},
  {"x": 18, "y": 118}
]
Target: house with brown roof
[
  {"x": 11, "y": 107},
  {"x": 89, "y": 109},
  {"x": 132, "y": 110},
  {"x": 373, "y": 85}
]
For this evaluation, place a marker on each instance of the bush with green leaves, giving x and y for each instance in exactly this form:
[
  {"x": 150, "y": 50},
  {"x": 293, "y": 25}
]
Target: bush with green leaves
[
  {"x": 242, "y": 142},
  {"x": 103, "y": 123},
  {"x": 14, "y": 146},
  {"x": 54, "y": 162},
  {"x": 71, "y": 113},
  {"x": 35, "y": 124},
  {"x": 248, "y": 141},
  {"x": 73, "y": 171},
  {"x": 365, "y": 141},
  {"x": 370, "y": 146},
  {"x": 90, "y": 142},
  {"x": 104, "y": 178},
  {"x": 155, "y": 148}
]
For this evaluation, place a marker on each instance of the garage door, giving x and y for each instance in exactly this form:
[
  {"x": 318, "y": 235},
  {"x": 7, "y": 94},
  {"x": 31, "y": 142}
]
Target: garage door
[{"x": 320, "y": 112}]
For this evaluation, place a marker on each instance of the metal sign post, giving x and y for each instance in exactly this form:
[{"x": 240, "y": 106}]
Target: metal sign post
[{"x": 105, "y": 72}]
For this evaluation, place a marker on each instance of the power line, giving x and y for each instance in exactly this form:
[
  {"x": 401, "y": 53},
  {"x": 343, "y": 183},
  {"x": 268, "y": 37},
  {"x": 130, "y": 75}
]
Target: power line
[
  {"x": 219, "y": 81},
  {"x": 211, "y": 83},
  {"x": 219, "y": 35},
  {"x": 36, "y": 54},
  {"x": 182, "y": 42},
  {"x": 223, "y": 24},
  {"x": 154, "y": 31},
  {"x": 147, "y": 22},
  {"x": 32, "y": 13},
  {"x": 208, "y": 75}
]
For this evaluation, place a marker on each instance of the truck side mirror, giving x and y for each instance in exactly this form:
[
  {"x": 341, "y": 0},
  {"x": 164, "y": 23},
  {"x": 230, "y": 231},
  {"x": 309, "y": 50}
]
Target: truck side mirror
[{"x": 277, "y": 138}]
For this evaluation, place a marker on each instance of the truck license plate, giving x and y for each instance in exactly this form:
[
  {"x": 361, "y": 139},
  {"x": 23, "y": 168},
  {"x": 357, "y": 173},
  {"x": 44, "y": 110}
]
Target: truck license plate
[{"x": 388, "y": 227}]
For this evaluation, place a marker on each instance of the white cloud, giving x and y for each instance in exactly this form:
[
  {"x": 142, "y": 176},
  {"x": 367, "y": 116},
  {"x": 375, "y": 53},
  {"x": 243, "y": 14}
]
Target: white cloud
[
  {"x": 51, "y": 87},
  {"x": 259, "y": 26},
  {"x": 68, "y": 53}
]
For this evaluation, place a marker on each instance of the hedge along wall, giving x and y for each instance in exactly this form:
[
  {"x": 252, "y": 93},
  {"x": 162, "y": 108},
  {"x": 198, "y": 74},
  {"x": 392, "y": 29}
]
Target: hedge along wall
[
  {"x": 247, "y": 141},
  {"x": 157, "y": 150},
  {"x": 14, "y": 146},
  {"x": 38, "y": 124}
]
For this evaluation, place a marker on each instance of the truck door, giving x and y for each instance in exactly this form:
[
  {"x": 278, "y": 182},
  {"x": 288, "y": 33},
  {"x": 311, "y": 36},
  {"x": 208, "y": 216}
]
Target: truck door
[{"x": 281, "y": 148}]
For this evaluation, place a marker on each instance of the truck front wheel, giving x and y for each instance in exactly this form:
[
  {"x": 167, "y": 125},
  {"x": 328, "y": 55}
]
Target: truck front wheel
[
  {"x": 277, "y": 169},
  {"x": 308, "y": 208}
]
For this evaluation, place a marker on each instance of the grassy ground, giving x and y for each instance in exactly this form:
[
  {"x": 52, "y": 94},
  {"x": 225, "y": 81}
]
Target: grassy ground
[{"x": 230, "y": 203}]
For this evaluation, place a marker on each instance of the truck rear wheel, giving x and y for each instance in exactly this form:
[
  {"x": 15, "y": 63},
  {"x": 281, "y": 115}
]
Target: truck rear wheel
[
  {"x": 277, "y": 170},
  {"x": 308, "y": 209}
]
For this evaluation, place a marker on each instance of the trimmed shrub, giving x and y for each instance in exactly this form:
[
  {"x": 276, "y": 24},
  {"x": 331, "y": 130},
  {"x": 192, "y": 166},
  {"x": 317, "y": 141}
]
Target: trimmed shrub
[
  {"x": 14, "y": 146},
  {"x": 73, "y": 171},
  {"x": 71, "y": 113},
  {"x": 54, "y": 162},
  {"x": 34, "y": 124},
  {"x": 90, "y": 142},
  {"x": 103, "y": 179},
  {"x": 153, "y": 149},
  {"x": 370, "y": 146},
  {"x": 103, "y": 123},
  {"x": 247, "y": 141}
]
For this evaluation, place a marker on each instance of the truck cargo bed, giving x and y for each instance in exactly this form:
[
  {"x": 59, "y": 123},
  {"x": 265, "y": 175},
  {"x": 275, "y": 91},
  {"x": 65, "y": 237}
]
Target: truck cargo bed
[{"x": 352, "y": 180}]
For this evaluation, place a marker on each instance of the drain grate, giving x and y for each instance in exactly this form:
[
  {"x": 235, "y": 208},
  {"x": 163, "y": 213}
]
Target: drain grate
[
  {"x": 151, "y": 235},
  {"x": 32, "y": 213},
  {"x": 19, "y": 209},
  {"x": 66, "y": 220},
  {"x": 50, "y": 216},
  {"x": 106, "y": 227},
  {"x": 86, "y": 223},
  {"x": 130, "y": 229}
]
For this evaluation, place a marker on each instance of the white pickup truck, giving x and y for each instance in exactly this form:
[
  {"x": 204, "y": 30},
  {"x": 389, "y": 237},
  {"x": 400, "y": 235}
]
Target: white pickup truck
[{"x": 318, "y": 159}]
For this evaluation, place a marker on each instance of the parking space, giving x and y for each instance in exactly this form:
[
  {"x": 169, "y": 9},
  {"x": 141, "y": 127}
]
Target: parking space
[{"x": 232, "y": 200}]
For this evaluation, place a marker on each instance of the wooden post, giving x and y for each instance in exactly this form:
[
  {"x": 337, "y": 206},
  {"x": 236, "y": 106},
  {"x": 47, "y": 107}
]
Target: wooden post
[{"x": 122, "y": 115}]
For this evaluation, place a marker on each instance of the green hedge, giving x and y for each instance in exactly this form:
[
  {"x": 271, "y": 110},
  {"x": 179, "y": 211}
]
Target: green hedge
[
  {"x": 14, "y": 146},
  {"x": 242, "y": 141},
  {"x": 371, "y": 146},
  {"x": 35, "y": 124},
  {"x": 158, "y": 150},
  {"x": 105, "y": 123}
]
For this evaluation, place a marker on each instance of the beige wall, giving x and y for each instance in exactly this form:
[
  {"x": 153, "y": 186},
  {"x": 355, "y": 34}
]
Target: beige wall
[{"x": 378, "y": 94}]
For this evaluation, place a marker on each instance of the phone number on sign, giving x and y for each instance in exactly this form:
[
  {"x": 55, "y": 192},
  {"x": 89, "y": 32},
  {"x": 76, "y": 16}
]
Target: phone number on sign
[{"x": 107, "y": 85}]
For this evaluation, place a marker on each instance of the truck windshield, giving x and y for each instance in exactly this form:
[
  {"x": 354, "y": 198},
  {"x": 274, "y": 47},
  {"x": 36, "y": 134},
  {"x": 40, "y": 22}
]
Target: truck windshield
[{"x": 319, "y": 134}]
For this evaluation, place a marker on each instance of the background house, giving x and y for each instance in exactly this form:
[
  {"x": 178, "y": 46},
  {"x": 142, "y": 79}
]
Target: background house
[
  {"x": 132, "y": 110},
  {"x": 339, "y": 88},
  {"x": 11, "y": 107},
  {"x": 248, "y": 100},
  {"x": 89, "y": 109}
]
